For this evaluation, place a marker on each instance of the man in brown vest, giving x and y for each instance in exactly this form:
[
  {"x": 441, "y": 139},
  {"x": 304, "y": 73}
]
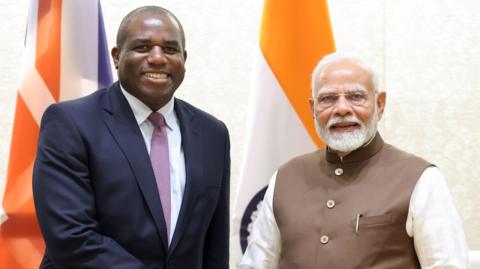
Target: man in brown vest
[{"x": 359, "y": 203}]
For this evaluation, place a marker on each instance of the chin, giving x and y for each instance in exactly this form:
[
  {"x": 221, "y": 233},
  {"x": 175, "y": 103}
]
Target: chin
[{"x": 344, "y": 141}]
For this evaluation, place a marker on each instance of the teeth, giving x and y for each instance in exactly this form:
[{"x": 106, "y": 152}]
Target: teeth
[{"x": 156, "y": 75}]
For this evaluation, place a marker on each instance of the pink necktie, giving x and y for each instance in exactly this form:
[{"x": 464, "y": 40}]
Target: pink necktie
[{"x": 160, "y": 164}]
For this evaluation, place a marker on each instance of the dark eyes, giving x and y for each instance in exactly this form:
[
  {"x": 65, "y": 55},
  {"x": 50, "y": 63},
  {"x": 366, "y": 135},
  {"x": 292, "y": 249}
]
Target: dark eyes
[
  {"x": 328, "y": 98},
  {"x": 354, "y": 98},
  {"x": 142, "y": 48},
  {"x": 171, "y": 50},
  {"x": 147, "y": 48}
]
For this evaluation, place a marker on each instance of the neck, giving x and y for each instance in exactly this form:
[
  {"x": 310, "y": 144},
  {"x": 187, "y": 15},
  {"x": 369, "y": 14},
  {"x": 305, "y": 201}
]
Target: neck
[{"x": 342, "y": 154}]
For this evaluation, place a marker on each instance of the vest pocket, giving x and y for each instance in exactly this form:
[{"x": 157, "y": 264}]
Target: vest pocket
[{"x": 366, "y": 222}]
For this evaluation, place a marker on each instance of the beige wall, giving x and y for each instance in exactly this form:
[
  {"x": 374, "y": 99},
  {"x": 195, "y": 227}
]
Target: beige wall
[{"x": 426, "y": 52}]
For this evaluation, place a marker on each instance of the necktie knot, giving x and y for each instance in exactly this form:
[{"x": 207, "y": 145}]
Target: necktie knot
[{"x": 157, "y": 119}]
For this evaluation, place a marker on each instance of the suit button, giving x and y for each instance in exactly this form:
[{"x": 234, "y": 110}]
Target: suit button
[
  {"x": 324, "y": 239},
  {"x": 339, "y": 171},
  {"x": 330, "y": 204}
]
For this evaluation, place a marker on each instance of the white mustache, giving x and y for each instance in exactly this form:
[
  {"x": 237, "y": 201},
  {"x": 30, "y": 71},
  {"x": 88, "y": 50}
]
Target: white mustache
[{"x": 347, "y": 119}]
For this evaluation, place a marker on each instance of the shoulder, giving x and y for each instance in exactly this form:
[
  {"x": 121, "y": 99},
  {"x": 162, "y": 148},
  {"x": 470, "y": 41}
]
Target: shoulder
[
  {"x": 85, "y": 109},
  {"x": 307, "y": 157},
  {"x": 391, "y": 153},
  {"x": 84, "y": 103},
  {"x": 208, "y": 121},
  {"x": 81, "y": 106},
  {"x": 303, "y": 159}
]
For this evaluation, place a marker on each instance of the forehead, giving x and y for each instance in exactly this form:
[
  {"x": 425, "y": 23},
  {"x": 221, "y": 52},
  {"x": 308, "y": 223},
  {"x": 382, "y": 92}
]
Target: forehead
[
  {"x": 151, "y": 24},
  {"x": 344, "y": 74}
]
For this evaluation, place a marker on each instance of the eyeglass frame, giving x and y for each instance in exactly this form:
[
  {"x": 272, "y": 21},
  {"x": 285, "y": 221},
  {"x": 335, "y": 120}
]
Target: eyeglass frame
[{"x": 355, "y": 91}]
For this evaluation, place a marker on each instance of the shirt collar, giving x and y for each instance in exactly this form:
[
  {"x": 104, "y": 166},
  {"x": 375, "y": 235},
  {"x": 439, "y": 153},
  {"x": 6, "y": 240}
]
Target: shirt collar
[{"x": 142, "y": 111}]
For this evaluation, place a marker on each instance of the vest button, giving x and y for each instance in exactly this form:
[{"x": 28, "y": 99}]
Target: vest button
[
  {"x": 339, "y": 171},
  {"x": 324, "y": 239},
  {"x": 330, "y": 204}
]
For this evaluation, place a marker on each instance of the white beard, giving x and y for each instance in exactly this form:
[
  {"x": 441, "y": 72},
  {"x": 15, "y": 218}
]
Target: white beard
[{"x": 347, "y": 141}]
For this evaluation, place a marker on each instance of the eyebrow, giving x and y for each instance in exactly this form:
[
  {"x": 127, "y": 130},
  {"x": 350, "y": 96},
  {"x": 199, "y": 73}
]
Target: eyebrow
[
  {"x": 142, "y": 41},
  {"x": 172, "y": 43},
  {"x": 323, "y": 91}
]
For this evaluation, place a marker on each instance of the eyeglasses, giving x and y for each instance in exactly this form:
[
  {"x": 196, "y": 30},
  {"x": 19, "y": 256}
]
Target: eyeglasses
[{"x": 355, "y": 98}]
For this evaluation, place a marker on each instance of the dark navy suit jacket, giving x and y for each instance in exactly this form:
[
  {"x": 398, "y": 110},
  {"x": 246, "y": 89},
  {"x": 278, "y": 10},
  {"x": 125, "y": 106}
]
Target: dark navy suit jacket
[{"x": 95, "y": 193}]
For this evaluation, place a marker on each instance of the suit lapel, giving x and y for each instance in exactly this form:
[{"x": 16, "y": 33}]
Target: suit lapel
[
  {"x": 192, "y": 148},
  {"x": 121, "y": 122}
]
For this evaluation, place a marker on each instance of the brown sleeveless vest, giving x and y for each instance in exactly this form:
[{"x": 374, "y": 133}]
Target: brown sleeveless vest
[{"x": 348, "y": 213}]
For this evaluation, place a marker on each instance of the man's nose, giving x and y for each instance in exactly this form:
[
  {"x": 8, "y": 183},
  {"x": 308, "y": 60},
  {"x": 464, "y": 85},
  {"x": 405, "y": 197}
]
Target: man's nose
[
  {"x": 342, "y": 107},
  {"x": 156, "y": 55}
]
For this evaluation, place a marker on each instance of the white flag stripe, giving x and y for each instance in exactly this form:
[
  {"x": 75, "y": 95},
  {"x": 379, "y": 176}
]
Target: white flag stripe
[
  {"x": 31, "y": 86},
  {"x": 35, "y": 93},
  {"x": 79, "y": 49},
  {"x": 29, "y": 54},
  {"x": 274, "y": 135}
]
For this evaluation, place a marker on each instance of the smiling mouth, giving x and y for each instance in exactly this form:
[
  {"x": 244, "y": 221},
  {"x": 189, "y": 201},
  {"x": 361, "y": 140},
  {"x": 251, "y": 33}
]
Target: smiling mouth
[
  {"x": 344, "y": 126},
  {"x": 154, "y": 75}
]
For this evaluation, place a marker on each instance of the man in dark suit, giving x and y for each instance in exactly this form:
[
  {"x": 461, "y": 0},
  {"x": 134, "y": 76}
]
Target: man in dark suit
[{"x": 96, "y": 185}]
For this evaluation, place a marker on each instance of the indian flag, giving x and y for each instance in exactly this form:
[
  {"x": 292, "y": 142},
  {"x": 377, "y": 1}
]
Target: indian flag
[
  {"x": 65, "y": 57},
  {"x": 294, "y": 36}
]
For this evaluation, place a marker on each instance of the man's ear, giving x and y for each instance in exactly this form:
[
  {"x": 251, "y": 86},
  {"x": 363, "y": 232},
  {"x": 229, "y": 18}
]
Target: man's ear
[
  {"x": 115, "y": 56},
  {"x": 312, "y": 109},
  {"x": 381, "y": 100}
]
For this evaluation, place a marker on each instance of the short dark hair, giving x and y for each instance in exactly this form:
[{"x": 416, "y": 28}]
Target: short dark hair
[{"x": 121, "y": 35}]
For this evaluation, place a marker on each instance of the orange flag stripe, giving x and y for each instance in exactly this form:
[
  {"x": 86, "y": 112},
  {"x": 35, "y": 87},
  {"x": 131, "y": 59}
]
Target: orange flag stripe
[
  {"x": 20, "y": 253},
  {"x": 20, "y": 235},
  {"x": 6, "y": 257},
  {"x": 22, "y": 154},
  {"x": 294, "y": 36},
  {"x": 48, "y": 44}
]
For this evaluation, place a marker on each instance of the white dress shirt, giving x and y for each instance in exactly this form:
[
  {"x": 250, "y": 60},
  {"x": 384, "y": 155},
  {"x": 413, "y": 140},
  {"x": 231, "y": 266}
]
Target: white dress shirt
[
  {"x": 432, "y": 221},
  {"x": 175, "y": 150}
]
